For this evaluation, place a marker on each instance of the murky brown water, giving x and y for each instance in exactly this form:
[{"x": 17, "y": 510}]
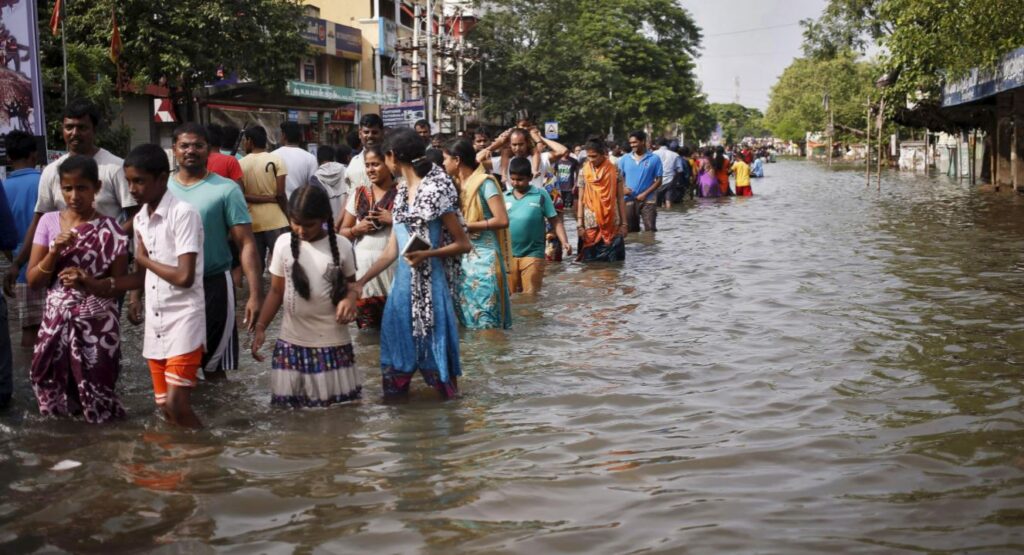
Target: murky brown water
[{"x": 819, "y": 368}]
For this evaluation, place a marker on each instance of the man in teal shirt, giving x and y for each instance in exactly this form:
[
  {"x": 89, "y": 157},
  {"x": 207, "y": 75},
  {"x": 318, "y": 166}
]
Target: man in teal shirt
[
  {"x": 222, "y": 207},
  {"x": 529, "y": 208}
]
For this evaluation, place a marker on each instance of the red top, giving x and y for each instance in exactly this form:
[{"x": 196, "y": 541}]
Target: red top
[{"x": 224, "y": 166}]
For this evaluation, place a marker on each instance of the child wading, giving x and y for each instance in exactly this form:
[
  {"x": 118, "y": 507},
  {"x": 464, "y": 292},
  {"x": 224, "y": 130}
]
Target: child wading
[
  {"x": 310, "y": 273},
  {"x": 169, "y": 261},
  {"x": 77, "y": 356}
]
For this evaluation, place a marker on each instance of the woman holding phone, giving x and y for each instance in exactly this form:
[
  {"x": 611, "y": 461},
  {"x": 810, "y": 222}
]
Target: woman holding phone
[
  {"x": 367, "y": 223},
  {"x": 419, "y": 330}
]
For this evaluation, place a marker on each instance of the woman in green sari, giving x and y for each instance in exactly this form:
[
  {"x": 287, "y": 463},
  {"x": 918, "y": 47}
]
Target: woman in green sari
[{"x": 483, "y": 292}]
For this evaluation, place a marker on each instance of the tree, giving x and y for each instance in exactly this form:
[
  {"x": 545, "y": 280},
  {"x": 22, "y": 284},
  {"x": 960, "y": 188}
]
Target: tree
[
  {"x": 589, "y": 64},
  {"x": 698, "y": 124},
  {"x": 187, "y": 44},
  {"x": 844, "y": 26},
  {"x": 925, "y": 43},
  {"x": 738, "y": 121},
  {"x": 796, "y": 105}
]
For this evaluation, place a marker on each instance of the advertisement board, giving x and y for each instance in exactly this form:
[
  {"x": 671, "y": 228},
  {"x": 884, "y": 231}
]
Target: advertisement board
[
  {"x": 21, "y": 91},
  {"x": 404, "y": 114}
]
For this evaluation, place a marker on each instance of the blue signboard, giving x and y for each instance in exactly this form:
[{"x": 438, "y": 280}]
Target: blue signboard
[
  {"x": 348, "y": 40},
  {"x": 404, "y": 114},
  {"x": 1007, "y": 75},
  {"x": 315, "y": 31}
]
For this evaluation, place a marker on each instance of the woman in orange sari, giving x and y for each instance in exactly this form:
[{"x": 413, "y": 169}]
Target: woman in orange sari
[
  {"x": 721, "y": 167},
  {"x": 601, "y": 210}
]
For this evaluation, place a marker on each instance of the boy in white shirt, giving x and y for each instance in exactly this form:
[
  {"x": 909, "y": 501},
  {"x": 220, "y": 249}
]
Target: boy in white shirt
[{"x": 169, "y": 259}]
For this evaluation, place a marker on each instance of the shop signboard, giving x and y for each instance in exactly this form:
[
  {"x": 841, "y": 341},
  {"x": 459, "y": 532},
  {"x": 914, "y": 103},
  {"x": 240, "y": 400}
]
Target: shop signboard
[
  {"x": 338, "y": 94},
  {"x": 345, "y": 114},
  {"x": 348, "y": 40},
  {"x": 388, "y": 36},
  {"x": 21, "y": 91},
  {"x": 315, "y": 31},
  {"x": 404, "y": 114},
  {"x": 392, "y": 86},
  {"x": 1006, "y": 75}
]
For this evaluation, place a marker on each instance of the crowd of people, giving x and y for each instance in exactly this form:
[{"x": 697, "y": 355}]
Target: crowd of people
[{"x": 402, "y": 232}]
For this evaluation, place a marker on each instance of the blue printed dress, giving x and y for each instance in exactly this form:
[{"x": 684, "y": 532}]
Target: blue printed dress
[{"x": 436, "y": 356}]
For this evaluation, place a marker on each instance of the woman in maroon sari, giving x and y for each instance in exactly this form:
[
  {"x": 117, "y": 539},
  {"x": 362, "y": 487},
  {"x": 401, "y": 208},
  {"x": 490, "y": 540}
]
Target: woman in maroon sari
[{"x": 77, "y": 356}]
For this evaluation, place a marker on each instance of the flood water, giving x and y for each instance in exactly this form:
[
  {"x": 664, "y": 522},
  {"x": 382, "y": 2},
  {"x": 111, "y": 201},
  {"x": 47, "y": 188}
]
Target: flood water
[{"x": 822, "y": 367}]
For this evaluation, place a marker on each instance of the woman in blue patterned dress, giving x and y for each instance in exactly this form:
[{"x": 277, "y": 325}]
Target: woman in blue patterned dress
[{"x": 419, "y": 330}]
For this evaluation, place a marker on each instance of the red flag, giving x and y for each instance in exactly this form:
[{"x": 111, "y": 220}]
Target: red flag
[
  {"x": 55, "y": 18},
  {"x": 115, "y": 39}
]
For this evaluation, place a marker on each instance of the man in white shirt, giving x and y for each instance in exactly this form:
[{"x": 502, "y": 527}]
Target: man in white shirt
[
  {"x": 301, "y": 163},
  {"x": 81, "y": 118},
  {"x": 671, "y": 166},
  {"x": 524, "y": 141},
  {"x": 371, "y": 132}
]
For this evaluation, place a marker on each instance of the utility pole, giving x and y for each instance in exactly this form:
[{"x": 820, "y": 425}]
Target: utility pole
[
  {"x": 867, "y": 146},
  {"x": 826, "y": 102},
  {"x": 416, "y": 52},
  {"x": 736, "y": 83},
  {"x": 880, "y": 123},
  {"x": 431, "y": 115}
]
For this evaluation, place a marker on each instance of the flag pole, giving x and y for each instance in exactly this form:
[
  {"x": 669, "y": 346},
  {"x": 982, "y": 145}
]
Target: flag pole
[{"x": 64, "y": 49}]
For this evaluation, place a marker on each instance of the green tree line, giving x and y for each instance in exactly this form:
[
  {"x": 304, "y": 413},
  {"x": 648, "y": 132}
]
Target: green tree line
[
  {"x": 920, "y": 45},
  {"x": 592, "y": 64}
]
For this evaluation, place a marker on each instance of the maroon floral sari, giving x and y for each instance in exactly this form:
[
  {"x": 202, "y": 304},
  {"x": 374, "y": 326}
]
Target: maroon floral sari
[{"x": 77, "y": 356}]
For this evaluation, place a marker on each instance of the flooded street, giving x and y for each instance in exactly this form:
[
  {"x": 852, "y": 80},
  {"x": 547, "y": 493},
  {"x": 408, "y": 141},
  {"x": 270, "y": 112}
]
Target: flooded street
[{"x": 822, "y": 367}]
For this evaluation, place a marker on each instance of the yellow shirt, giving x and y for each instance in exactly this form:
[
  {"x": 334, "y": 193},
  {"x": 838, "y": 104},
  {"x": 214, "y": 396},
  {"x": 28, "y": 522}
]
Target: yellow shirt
[
  {"x": 742, "y": 171},
  {"x": 261, "y": 180}
]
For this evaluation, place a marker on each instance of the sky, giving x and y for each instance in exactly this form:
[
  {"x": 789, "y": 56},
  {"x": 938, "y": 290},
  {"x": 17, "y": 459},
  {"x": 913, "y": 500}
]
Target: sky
[{"x": 754, "y": 40}]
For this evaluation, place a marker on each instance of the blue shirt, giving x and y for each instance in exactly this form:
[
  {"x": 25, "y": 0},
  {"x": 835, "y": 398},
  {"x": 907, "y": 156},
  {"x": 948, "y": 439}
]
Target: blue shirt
[
  {"x": 639, "y": 174},
  {"x": 21, "y": 191},
  {"x": 527, "y": 217}
]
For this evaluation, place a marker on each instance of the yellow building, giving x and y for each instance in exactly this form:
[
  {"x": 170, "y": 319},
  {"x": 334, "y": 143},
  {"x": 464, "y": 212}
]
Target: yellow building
[{"x": 354, "y": 68}]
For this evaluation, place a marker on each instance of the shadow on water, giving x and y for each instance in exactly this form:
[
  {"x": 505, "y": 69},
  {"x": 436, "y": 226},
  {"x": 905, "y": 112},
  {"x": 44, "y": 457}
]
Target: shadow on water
[{"x": 822, "y": 367}]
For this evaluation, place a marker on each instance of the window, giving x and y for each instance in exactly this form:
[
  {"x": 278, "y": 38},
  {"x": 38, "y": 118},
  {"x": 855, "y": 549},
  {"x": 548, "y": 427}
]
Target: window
[
  {"x": 387, "y": 9},
  {"x": 311, "y": 11},
  {"x": 405, "y": 14},
  {"x": 308, "y": 70}
]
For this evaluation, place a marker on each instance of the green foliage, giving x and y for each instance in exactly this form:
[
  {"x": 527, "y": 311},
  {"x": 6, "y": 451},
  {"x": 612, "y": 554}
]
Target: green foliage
[
  {"x": 184, "y": 44},
  {"x": 845, "y": 25},
  {"x": 935, "y": 40},
  {"x": 796, "y": 102},
  {"x": 698, "y": 124},
  {"x": 589, "y": 64},
  {"x": 88, "y": 77},
  {"x": 738, "y": 121},
  {"x": 925, "y": 42}
]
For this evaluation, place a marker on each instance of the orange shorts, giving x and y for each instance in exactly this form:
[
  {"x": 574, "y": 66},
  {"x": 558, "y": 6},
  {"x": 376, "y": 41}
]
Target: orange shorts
[{"x": 179, "y": 371}]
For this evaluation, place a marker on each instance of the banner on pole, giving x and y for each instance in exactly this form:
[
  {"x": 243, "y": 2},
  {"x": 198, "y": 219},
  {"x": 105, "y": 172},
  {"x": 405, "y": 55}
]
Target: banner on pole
[{"x": 21, "y": 89}]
